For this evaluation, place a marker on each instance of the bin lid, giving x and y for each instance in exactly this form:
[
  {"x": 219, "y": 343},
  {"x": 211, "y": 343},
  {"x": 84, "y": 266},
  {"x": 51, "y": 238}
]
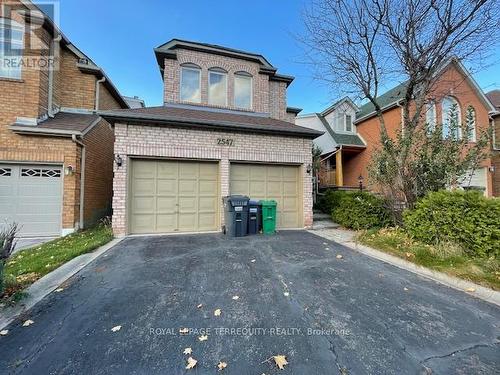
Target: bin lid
[
  {"x": 254, "y": 202},
  {"x": 237, "y": 200},
  {"x": 271, "y": 202}
]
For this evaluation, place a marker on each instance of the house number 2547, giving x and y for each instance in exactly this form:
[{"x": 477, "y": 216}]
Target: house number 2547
[{"x": 225, "y": 141}]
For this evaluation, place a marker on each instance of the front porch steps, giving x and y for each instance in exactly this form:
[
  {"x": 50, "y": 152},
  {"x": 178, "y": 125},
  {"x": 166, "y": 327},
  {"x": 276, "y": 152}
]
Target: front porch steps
[{"x": 323, "y": 221}]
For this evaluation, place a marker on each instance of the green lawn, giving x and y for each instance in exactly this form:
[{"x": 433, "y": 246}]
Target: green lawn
[
  {"x": 27, "y": 266},
  {"x": 445, "y": 258}
]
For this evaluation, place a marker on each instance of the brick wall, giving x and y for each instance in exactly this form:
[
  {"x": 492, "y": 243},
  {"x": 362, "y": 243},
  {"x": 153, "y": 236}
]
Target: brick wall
[
  {"x": 98, "y": 184},
  {"x": 268, "y": 96},
  {"x": 451, "y": 82},
  {"x": 135, "y": 140}
]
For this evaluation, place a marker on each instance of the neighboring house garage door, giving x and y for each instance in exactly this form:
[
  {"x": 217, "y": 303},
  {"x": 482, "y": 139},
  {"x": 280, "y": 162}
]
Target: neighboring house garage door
[
  {"x": 278, "y": 182},
  {"x": 31, "y": 195},
  {"x": 173, "y": 196}
]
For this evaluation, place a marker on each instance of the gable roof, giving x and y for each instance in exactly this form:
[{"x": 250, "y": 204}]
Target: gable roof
[
  {"x": 335, "y": 105},
  {"x": 494, "y": 98},
  {"x": 343, "y": 139},
  {"x": 196, "y": 117},
  {"x": 395, "y": 95},
  {"x": 168, "y": 51}
]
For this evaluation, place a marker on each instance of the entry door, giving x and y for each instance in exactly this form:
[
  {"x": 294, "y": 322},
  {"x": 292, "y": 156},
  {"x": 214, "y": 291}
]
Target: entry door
[
  {"x": 31, "y": 195},
  {"x": 278, "y": 182},
  {"x": 173, "y": 196}
]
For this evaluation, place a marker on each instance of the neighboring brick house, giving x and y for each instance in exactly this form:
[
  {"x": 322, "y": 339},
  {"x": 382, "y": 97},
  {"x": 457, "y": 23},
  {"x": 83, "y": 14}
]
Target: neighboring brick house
[
  {"x": 494, "y": 97},
  {"x": 56, "y": 153},
  {"x": 454, "y": 85},
  {"x": 224, "y": 129}
]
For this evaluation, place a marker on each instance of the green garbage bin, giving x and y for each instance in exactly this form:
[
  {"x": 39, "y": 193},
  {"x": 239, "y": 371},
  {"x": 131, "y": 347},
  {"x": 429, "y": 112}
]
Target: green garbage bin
[{"x": 268, "y": 216}]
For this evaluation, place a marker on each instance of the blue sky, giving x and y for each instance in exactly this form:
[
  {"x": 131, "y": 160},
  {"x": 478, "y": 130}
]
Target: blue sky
[{"x": 120, "y": 36}]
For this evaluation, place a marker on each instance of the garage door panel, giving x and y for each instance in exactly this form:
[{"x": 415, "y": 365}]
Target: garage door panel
[
  {"x": 144, "y": 187},
  {"x": 183, "y": 191},
  {"x": 277, "y": 182},
  {"x": 31, "y": 195},
  {"x": 147, "y": 170}
]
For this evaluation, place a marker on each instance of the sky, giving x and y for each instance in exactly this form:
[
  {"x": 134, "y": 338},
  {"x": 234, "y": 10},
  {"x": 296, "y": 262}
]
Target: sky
[{"x": 119, "y": 36}]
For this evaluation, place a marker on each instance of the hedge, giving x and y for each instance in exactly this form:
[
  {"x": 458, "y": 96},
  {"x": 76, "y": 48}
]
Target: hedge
[
  {"x": 330, "y": 200},
  {"x": 361, "y": 210},
  {"x": 466, "y": 218}
]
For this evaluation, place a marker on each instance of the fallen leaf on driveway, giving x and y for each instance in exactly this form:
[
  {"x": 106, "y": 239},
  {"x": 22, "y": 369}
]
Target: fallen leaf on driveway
[
  {"x": 324, "y": 243},
  {"x": 4, "y": 332},
  {"x": 280, "y": 361},
  {"x": 405, "y": 289},
  {"x": 59, "y": 290},
  {"x": 200, "y": 305},
  {"x": 286, "y": 294},
  {"x": 116, "y": 328},
  {"x": 339, "y": 256},
  {"x": 471, "y": 290},
  {"x": 183, "y": 331},
  {"x": 327, "y": 248},
  {"x": 236, "y": 298},
  {"x": 187, "y": 351},
  {"x": 253, "y": 261},
  {"x": 203, "y": 338},
  {"x": 217, "y": 312},
  {"x": 191, "y": 362},
  {"x": 28, "y": 323},
  {"x": 222, "y": 365}
]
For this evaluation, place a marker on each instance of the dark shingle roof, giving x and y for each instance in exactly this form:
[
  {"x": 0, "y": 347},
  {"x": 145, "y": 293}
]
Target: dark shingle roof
[
  {"x": 341, "y": 138},
  {"x": 62, "y": 123},
  {"x": 200, "y": 117},
  {"x": 494, "y": 97},
  {"x": 387, "y": 99}
]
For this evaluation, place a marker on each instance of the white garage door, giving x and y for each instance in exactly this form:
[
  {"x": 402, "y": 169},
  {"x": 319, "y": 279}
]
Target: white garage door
[
  {"x": 31, "y": 195},
  {"x": 173, "y": 196},
  {"x": 278, "y": 182}
]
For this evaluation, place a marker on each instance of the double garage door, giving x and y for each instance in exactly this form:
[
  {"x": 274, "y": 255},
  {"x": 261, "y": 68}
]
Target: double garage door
[
  {"x": 31, "y": 195},
  {"x": 183, "y": 196}
]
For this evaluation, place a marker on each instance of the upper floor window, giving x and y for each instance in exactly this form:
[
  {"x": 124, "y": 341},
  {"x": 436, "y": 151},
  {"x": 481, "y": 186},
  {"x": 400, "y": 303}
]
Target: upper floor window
[
  {"x": 11, "y": 48},
  {"x": 243, "y": 90},
  {"x": 190, "y": 83},
  {"x": 470, "y": 123},
  {"x": 430, "y": 116},
  {"x": 217, "y": 87},
  {"x": 452, "y": 126},
  {"x": 344, "y": 122}
]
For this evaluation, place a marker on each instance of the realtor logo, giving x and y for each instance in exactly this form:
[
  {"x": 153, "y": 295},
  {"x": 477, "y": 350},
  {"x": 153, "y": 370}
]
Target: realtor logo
[{"x": 29, "y": 37}]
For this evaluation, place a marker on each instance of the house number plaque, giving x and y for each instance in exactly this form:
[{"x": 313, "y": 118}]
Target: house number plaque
[{"x": 225, "y": 142}]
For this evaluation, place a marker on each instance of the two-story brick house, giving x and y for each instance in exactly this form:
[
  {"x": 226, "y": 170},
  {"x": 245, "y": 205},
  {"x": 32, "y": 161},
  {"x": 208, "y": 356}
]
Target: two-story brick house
[
  {"x": 494, "y": 97},
  {"x": 56, "y": 153},
  {"x": 224, "y": 129}
]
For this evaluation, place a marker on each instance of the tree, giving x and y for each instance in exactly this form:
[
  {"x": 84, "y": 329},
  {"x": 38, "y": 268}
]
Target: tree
[{"x": 358, "y": 44}]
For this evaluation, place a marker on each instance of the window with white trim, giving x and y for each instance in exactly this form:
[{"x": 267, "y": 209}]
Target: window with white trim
[
  {"x": 452, "y": 124},
  {"x": 217, "y": 87},
  {"x": 243, "y": 90},
  {"x": 470, "y": 123},
  {"x": 343, "y": 122},
  {"x": 11, "y": 48},
  {"x": 190, "y": 83},
  {"x": 430, "y": 116}
]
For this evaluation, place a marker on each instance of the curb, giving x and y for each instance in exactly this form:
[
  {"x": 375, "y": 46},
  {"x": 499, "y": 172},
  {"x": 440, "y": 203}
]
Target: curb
[
  {"x": 44, "y": 286},
  {"x": 481, "y": 292}
]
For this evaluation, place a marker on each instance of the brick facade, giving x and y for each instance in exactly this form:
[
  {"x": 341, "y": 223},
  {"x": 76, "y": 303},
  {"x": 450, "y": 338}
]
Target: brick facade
[
  {"x": 28, "y": 97},
  {"x": 451, "y": 82},
  {"x": 166, "y": 142},
  {"x": 268, "y": 96}
]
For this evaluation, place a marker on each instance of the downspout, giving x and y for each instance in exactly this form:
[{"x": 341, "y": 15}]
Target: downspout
[
  {"x": 50, "y": 101},
  {"x": 82, "y": 178},
  {"x": 97, "y": 83}
]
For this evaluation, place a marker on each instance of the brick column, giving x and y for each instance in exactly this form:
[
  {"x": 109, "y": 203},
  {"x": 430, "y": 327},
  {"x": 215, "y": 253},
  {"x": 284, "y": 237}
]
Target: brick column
[{"x": 224, "y": 182}]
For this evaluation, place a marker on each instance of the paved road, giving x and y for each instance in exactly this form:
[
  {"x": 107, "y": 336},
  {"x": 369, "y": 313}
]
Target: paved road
[{"x": 342, "y": 316}]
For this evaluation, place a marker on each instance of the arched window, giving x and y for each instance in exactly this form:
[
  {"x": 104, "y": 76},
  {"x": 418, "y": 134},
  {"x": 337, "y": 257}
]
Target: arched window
[
  {"x": 243, "y": 90},
  {"x": 430, "y": 116},
  {"x": 11, "y": 48},
  {"x": 190, "y": 83},
  {"x": 470, "y": 123},
  {"x": 217, "y": 86},
  {"x": 452, "y": 125}
]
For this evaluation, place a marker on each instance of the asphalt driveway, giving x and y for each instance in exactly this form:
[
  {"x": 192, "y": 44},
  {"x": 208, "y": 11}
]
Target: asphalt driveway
[{"x": 353, "y": 315}]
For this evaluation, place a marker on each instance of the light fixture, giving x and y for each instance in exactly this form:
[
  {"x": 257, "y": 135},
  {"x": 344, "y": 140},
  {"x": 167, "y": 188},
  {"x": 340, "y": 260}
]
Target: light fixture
[
  {"x": 118, "y": 160},
  {"x": 308, "y": 169},
  {"x": 360, "y": 180},
  {"x": 492, "y": 168},
  {"x": 69, "y": 170}
]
